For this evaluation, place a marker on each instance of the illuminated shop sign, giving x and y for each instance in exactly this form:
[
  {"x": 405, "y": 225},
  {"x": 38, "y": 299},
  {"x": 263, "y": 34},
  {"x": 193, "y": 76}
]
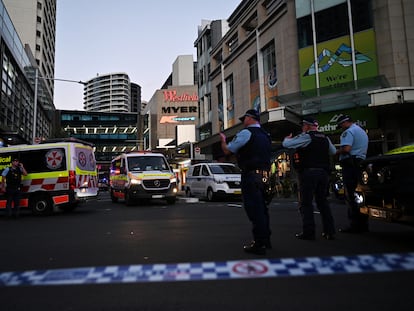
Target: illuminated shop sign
[
  {"x": 171, "y": 96},
  {"x": 175, "y": 119},
  {"x": 184, "y": 109}
]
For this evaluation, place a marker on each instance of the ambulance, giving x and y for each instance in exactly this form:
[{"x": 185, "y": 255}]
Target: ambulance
[
  {"x": 144, "y": 175},
  {"x": 60, "y": 174}
]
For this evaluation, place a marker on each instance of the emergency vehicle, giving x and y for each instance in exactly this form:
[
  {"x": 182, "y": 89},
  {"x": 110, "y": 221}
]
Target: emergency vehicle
[
  {"x": 60, "y": 174},
  {"x": 385, "y": 189},
  {"x": 141, "y": 176}
]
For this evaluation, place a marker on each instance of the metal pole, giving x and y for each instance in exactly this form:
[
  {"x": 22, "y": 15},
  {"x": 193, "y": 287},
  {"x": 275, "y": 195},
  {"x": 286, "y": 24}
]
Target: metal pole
[
  {"x": 35, "y": 105},
  {"x": 315, "y": 48},
  {"x": 351, "y": 36},
  {"x": 191, "y": 151}
]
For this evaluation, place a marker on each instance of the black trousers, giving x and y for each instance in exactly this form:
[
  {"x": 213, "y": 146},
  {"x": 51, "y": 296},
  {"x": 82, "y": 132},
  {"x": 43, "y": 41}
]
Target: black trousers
[
  {"x": 350, "y": 172},
  {"x": 255, "y": 206},
  {"x": 313, "y": 184},
  {"x": 13, "y": 196}
]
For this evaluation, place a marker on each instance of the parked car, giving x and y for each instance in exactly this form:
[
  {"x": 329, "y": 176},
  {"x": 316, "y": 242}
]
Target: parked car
[
  {"x": 386, "y": 186},
  {"x": 213, "y": 181}
]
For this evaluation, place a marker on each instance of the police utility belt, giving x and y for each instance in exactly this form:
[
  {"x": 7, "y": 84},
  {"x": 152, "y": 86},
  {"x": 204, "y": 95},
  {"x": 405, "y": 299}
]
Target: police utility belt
[
  {"x": 351, "y": 161},
  {"x": 264, "y": 173}
]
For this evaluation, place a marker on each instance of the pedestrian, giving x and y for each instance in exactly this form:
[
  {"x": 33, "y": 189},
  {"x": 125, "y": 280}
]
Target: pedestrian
[
  {"x": 252, "y": 146},
  {"x": 313, "y": 159},
  {"x": 352, "y": 151},
  {"x": 12, "y": 176}
]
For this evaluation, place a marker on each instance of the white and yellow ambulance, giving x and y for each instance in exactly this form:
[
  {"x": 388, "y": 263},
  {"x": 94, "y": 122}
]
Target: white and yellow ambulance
[
  {"x": 144, "y": 175},
  {"x": 60, "y": 174}
]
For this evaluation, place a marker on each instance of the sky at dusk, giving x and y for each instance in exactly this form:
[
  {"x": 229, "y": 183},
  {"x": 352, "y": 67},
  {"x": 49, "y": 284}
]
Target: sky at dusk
[{"x": 138, "y": 37}]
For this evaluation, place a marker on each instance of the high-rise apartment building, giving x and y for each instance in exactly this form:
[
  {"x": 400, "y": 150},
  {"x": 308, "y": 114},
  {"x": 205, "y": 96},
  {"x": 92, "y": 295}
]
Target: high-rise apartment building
[
  {"x": 108, "y": 93},
  {"x": 135, "y": 105},
  {"x": 35, "y": 22}
]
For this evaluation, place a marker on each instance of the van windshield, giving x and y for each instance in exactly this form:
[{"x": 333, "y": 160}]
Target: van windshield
[
  {"x": 224, "y": 169},
  {"x": 147, "y": 163}
]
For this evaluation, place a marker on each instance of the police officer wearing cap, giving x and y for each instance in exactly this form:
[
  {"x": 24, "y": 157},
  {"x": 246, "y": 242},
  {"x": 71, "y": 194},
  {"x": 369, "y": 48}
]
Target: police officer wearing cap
[
  {"x": 252, "y": 145},
  {"x": 353, "y": 149},
  {"x": 313, "y": 149}
]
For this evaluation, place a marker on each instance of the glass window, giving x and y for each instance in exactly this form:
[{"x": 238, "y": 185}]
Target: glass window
[
  {"x": 333, "y": 22},
  {"x": 205, "y": 171},
  {"x": 147, "y": 163},
  {"x": 253, "y": 69},
  {"x": 44, "y": 160},
  {"x": 224, "y": 169},
  {"x": 220, "y": 108},
  {"x": 196, "y": 170}
]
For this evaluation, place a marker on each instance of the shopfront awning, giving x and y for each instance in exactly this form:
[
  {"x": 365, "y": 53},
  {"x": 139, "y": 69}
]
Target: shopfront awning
[{"x": 279, "y": 122}]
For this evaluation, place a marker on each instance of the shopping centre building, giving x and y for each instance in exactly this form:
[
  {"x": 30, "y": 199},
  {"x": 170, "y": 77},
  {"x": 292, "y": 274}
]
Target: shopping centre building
[{"x": 290, "y": 59}]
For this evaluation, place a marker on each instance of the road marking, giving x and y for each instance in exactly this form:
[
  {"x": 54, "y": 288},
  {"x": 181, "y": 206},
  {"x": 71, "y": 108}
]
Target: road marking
[
  {"x": 174, "y": 272},
  {"x": 235, "y": 205}
]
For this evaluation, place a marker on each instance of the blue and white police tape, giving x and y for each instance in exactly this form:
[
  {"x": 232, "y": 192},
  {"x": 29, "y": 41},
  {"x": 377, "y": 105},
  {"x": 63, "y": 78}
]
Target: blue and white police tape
[{"x": 261, "y": 268}]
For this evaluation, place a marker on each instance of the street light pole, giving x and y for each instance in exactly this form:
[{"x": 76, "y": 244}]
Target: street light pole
[
  {"x": 35, "y": 105},
  {"x": 37, "y": 77}
]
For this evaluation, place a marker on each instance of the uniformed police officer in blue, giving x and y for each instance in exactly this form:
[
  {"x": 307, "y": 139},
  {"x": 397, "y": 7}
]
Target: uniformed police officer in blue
[
  {"x": 353, "y": 149},
  {"x": 314, "y": 150},
  {"x": 12, "y": 177},
  {"x": 252, "y": 145}
]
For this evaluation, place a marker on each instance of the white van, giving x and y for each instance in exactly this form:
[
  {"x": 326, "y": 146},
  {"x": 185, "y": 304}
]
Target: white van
[
  {"x": 213, "y": 180},
  {"x": 60, "y": 174},
  {"x": 142, "y": 175}
]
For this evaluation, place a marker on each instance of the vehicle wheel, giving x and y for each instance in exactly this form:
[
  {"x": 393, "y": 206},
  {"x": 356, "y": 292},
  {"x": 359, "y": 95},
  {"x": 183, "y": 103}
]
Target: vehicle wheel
[
  {"x": 210, "y": 195},
  {"x": 128, "y": 199},
  {"x": 113, "y": 198},
  {"x": 41, "y": 204},
  {"x": 188, "y": 192},
  {"x": 171, "y": 201}
]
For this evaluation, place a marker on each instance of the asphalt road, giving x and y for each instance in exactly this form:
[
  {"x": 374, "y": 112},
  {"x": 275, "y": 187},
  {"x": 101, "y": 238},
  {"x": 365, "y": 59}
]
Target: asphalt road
[{"x": 101, "y": 234}]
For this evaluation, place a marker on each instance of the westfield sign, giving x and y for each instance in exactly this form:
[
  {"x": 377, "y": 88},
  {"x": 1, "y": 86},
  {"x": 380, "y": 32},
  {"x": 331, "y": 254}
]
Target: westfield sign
[{"x": 171, "y": 96}]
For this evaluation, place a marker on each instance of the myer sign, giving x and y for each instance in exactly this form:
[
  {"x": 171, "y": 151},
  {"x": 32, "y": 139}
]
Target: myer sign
[{"x": 364, "y": 117}]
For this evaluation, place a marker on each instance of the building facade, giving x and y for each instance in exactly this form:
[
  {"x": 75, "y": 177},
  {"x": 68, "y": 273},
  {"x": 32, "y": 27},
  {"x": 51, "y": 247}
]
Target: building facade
[
  {"x": 108, "y": 93},
  {"x": 19, "y": 85},
  {"x": 172, "y": 108},
  {"x": 290, "y": 59},
  {"x": 111, "y": 133},
  {"x": 135, "y": 105},
  {"x": 209, "y": 34},
  {"x": 35, "y": 22}
]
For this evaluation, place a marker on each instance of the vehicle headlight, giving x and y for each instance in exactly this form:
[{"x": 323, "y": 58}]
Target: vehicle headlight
[
  {"x": 380, "y": 177},
  {"x": 135, "y": 181},
  {"x": 358, "y": 198},
  {"x": 364, "y": 177}
]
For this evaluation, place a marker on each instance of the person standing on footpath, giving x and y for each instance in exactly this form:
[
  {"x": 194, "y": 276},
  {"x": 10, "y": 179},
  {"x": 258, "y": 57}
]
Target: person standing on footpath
[
  {"x": 252, "y": 146},
  {"x": 13, "y": 177},
  {"x": 313, "y": 150},
  {"x": 353, "y": 149}
]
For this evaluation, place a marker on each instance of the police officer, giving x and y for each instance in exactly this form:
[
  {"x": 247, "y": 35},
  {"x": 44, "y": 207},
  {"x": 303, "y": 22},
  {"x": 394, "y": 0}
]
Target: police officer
[
  {"x": 353, "y": 149},
  {"x": 313, "y": 150},
  {"x": 252, "y": 145},
  {"x": 13, "y": 176}
]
